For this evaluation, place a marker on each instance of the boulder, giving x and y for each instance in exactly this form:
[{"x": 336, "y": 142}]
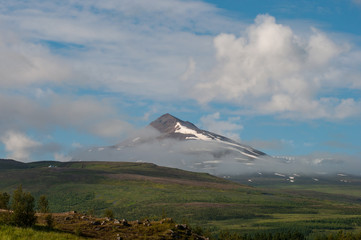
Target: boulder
[
  {"x": 166, "y": 220},
  {"x": 96, "y": 223},
  {"x": 146, "y": 222},
  {"x": 124, "y": 222},
  {"x": 181, "y": 226}
]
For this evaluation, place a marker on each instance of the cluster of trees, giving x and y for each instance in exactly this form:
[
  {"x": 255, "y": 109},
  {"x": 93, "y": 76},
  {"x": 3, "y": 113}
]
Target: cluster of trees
[{"x": 20, "y": 211}]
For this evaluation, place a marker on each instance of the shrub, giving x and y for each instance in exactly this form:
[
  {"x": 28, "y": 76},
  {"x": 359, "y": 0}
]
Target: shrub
[
  {"x": 109, "y": 213},
  {"x": 23, "y": 206},
  {"x": 49, "y": 221},
  {"x": 5, "y": 218},
  {"x": 4, "y": 200},
  {"x": 43, "y": 204}
]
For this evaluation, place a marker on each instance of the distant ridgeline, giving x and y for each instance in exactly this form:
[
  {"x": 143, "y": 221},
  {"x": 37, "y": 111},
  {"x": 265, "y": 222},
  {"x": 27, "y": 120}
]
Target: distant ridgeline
[{"x": 11, "y": 164}]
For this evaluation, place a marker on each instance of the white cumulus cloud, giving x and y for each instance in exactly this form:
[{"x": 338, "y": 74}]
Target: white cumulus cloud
[
  {"x": 272, "y": 70},
  {"x": 18, "y": 145}
]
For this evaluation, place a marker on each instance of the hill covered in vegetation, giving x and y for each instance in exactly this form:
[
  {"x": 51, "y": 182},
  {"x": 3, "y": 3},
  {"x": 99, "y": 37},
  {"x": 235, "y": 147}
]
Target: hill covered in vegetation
[{"x": 138, "y": 191}]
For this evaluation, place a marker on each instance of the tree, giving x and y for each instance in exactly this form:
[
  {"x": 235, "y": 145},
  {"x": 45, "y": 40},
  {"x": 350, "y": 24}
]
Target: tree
[
  {"x": 43, "y": 204},
  {"x": 4, "y": 200},
  {"x": 49, "y": 221},
  {"x": 23, "y": 206},
  {"x": 5, "y": 217}
]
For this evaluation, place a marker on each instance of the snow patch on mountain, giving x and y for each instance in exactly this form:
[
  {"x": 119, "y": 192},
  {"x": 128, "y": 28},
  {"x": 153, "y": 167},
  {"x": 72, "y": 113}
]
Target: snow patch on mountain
[{"x": 179, "y": 128}]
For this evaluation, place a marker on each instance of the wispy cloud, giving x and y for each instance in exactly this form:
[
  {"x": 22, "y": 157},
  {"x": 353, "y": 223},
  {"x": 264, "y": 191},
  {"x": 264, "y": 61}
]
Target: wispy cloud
[
  {"x": 165, "y": 50},
  {"x": 49, "y": 110},
  {"x": 267, "y": 145},
  {"x": 122, "y": 45},
  {"x": 228, "y": 128},
  {"x": 23, "y": 63}
]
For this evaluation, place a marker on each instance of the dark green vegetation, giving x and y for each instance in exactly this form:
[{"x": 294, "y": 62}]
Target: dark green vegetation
[
  {"x": 43, "y": 204},
  {"x": 21, "y": 213},
  {"x": 23, "y": 204},
  {"x": 220, "y": 207}
]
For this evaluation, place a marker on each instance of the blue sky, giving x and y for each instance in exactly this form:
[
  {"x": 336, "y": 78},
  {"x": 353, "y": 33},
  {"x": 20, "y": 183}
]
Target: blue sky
[{"x": 282, "y": 76}]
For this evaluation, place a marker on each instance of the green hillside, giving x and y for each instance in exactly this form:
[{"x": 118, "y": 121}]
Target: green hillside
[{"x": 141, "y": 190}]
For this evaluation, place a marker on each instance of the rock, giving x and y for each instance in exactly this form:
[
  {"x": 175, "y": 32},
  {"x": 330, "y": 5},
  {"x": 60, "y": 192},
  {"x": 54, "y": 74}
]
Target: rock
[
  {"x": 173, "y": 234},
  {"x": 181, "y": 226},
  {"x": 125, "y": 223},
  {"x": 96, "y": 223},
  {"x": 170, "y": 232},
  {"x": 116, "y": 221},
  {"x": 166, "y": 220},
  {"x": 146, "y": 222}
]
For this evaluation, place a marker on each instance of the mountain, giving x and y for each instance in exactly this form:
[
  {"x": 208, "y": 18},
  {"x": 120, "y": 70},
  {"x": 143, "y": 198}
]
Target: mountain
[
  {"x": 172, "y": 127},
  {"x": 188, "y": 138},
  {"x": 171, "y": 142}
]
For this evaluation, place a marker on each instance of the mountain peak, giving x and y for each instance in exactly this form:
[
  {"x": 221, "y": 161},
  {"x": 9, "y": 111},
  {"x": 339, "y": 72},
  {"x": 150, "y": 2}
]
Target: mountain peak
[
  {"x": 172, "y": 127},
  {"x": 167, "y": 123},
  {"x": 166, "y": 118},
  {"x": 167, "y": 115}
]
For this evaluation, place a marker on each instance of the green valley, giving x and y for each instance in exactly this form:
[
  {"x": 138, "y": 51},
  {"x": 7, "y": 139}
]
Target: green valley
[{"x": 141, "y": 190}]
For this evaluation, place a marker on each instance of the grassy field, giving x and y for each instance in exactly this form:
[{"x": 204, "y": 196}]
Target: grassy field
[
  {"x": 138, "y": 190},
  {"x": 15, "y": 233}
]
